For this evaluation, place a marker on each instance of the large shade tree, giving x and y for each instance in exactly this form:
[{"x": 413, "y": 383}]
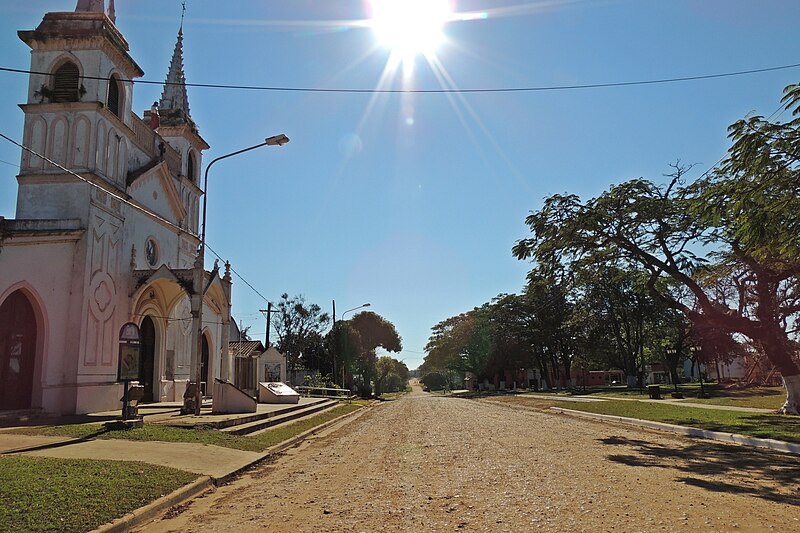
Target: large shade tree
[{"x": 744, "y": 215}]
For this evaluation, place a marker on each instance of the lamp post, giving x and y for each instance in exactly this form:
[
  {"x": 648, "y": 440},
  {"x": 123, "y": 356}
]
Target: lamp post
[
  {"x": 697, "y": 354},
  {"x": 335, "y": 334},
  {"x": 199, "y": 274}
]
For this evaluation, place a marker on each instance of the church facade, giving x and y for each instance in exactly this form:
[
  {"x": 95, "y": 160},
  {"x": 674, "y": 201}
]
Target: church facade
[{"x": 106, "y": 229}]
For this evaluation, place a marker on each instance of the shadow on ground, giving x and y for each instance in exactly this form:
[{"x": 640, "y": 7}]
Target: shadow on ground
[{"x": 725, "y": 468}]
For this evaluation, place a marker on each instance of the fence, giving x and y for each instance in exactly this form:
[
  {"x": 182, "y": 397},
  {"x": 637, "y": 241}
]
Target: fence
[{"x": 325, "y": 392}]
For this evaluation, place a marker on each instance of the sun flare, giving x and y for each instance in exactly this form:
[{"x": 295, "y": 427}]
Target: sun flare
[{"x": 410, "y": 27}]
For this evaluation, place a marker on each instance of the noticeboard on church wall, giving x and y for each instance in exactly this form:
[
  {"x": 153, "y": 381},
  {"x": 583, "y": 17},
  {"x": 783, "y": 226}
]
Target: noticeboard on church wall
[{"x": 129, "y": 344}]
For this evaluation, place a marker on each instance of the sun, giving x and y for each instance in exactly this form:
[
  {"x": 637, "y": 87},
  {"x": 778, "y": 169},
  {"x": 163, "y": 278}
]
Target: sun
[{"x": 410, "y": 27}]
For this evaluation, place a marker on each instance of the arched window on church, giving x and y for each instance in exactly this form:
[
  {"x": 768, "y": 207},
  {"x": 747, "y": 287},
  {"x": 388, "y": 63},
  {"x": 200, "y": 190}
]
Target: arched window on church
[
  {"x": 66, "y": 83},
  {"x": 115, "y": 96},
  {"x": 191, "y": 165}
]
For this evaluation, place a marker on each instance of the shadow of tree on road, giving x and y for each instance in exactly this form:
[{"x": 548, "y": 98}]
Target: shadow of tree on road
[{"x": 716, "y": 467}]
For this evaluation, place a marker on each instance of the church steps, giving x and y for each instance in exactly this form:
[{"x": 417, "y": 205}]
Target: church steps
[{"x": 283, "y": 417}]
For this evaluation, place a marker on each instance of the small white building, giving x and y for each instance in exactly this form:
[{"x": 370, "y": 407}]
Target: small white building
[
  {"x": 272, "y": 366},
  {"x": 253, "y": 365},
  {"x": 105, "y": 230}
]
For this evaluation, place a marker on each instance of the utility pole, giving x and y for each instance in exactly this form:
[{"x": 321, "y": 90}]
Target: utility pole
[
  {"x": 268, "y": 310},
  {"x": 334, "y": 339}
]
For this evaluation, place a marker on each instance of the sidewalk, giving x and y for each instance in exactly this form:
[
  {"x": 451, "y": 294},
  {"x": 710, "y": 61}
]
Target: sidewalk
[
  {"x": 711, "y": 406},
  {"x": 215, "y": 465},
  {"x": 681, "y": 403},
  {"x": 203, "y": 459}
]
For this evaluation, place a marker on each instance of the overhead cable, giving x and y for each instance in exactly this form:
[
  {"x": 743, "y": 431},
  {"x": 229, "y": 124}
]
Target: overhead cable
[{"x": 542, "y": 88}]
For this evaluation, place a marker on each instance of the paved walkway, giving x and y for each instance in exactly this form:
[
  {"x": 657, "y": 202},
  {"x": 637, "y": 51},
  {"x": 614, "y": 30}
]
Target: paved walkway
[
  {"x": 203, "y": 459},
  {"x": 711, "y": 406},
  {"x": 10, "y": 442},
  {"x": 681, "y": 403}
]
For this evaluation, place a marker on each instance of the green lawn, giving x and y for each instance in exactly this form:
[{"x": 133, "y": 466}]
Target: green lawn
[
  {"x": 155, "y": 432},
  {"x": 781, "y": 427},
  {"x": 44, "y": 494}
]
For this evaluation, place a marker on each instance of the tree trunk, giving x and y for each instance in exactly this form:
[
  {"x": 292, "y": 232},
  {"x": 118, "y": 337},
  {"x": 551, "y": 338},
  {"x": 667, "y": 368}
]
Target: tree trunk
[
  {"x": 792, "y": 404},
  {"x": 776, "y": 348},
  {"x": 675, "y": 379}
]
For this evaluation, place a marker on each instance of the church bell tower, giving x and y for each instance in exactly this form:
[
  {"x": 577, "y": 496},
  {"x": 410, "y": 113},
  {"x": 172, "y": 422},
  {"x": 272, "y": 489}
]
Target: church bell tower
[{"x": 78, "y": 110}]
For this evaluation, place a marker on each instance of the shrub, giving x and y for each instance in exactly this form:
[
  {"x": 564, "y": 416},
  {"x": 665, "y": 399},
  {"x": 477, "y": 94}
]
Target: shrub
[{"x": 434, "y": 381}]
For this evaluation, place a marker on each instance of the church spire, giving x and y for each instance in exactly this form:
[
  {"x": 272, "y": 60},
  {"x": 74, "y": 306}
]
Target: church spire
[{"x": 174, "y": 104}]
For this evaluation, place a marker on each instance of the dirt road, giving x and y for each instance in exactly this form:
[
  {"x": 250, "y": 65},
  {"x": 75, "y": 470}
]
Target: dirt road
[{"x": 432, "y": 463}]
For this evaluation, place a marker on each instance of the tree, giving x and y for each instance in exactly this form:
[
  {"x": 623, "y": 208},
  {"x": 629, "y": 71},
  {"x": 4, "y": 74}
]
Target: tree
[
  {"x": 745, "y": 217},
  {"x": 444, "y": 347},
  {"x": 434, "y": 380},
  {"x": 463, "y": 342},
  {"x": 345, "y": 342},
  {"x": 299, "y": 328},
  {"x": 617, "y": 294},
  {"x": 391, "y": 375},
  {"x": 374, "y": 332},
  {"x": 534, "y": 330}
]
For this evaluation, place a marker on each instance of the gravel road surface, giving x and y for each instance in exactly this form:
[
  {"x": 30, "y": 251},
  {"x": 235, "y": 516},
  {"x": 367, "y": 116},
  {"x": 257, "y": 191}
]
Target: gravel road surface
[{"x": 432, "y": 463}]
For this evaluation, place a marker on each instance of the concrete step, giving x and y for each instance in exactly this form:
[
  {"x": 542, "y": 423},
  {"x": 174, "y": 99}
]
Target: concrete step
[
  {"x": 283, "y": 417},
  {"x": 20, "y": 415}
]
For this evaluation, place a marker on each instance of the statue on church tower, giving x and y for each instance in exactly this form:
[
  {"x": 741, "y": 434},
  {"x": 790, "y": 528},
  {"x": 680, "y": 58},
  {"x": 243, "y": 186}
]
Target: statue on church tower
[
  {"x": 97, "y": 6},
  {"x": 91, "y": 5}
]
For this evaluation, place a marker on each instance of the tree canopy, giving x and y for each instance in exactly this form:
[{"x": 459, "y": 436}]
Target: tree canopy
[{"x": 731, "y": 238}]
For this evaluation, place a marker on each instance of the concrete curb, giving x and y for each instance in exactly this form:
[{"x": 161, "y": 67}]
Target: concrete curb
[
  {"x": 204, "y": 483},
  {"x": 733, "y": 438},
  {"x": 149, "y": 511},
  {"x": 289, "y": 443}
]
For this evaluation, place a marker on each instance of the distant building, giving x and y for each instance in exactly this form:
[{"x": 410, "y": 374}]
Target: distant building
[{"x": 81, "y": 260}]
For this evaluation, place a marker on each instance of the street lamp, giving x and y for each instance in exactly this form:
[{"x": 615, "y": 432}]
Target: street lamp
[
  {"x": 335, "y": 335},
  {"x": 199, "y": 274},
  {"x": 354, "y": 309},
  {"x": 697, "y": 356}
]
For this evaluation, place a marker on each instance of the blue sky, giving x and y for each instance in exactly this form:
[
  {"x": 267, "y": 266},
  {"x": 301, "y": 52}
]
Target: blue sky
[{"x": 413, "y": 202}]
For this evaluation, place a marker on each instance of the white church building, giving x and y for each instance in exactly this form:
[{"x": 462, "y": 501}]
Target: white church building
[{"x": 105, "y": 230}]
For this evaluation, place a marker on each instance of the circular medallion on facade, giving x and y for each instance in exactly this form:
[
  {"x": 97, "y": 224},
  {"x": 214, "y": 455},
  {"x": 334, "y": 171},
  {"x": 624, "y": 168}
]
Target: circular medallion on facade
[{"x": 151, "y": 251}]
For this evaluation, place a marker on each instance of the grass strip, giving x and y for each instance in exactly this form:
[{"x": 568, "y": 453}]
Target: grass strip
[
  {"x": 46, "y": 494},
  {"x": 767, "y": 426},
  {"x": 199, "y": 434}
]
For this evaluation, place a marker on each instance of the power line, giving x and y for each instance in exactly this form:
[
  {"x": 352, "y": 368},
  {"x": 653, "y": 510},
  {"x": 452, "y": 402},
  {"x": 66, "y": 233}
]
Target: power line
[
  {"x": 237, "y": 274},
  {"x": 122, "y": 199},
  {"x": 542, "y": 88},
  {"x": 129, "y": 203}
]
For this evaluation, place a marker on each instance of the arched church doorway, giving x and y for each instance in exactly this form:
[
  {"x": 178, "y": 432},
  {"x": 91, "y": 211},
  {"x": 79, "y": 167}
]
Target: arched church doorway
[
  {"x": 147, "y": 357},
  {"x": 204, "y": 366},
  {"x": 17, "y": 352}
]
